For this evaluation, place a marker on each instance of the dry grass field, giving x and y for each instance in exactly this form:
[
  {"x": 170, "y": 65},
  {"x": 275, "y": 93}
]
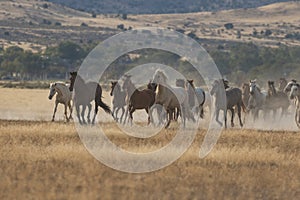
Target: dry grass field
[
  {"x": 47, "y": 160},
  {"x": 44, "y": 160}
]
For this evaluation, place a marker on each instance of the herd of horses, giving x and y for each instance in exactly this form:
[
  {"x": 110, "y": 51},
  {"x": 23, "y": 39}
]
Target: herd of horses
[{"x": 183, "y": 100}]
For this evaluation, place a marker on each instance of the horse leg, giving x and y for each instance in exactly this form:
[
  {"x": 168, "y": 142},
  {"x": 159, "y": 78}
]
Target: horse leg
[
  {"x": 71, "y": 110},
  {"x": 55, "y": 109},
  {"x": 114, "y": 113},
  {"x": 123, "y": 111},
  {"x": 89, "y": 113},
  {"x": 82, "y": 114},
  {"x": 225, "y": 117},
  {"x": 169, "y": 120},
  {"x": 126, "y": 114},
  {"x": 131, "y": 114},
  {"x": 232, "y": 116},
  {"x": 239, "y": 114},
  {"x": 77, "y": 113},
  {"x": 66, "y": 113},
  {"x": 217, "y": 112},
  {"x": 147, "y": 111}
]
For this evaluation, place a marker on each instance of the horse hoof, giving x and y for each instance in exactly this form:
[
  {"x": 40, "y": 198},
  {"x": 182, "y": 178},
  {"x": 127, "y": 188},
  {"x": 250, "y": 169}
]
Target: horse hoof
[{"x": 52, "y": 120}]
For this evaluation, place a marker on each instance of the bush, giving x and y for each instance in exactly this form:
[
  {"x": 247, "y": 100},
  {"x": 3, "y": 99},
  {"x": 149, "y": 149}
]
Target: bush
[{"x": 228, "y": 26}]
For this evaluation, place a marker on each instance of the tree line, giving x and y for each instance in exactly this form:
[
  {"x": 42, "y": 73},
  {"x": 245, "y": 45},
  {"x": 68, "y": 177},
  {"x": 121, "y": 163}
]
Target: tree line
[{"x": 236, "y": 61}]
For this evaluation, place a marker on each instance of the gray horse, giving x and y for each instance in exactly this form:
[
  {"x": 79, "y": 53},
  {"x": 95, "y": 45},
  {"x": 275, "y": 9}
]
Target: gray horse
[{"x": 233, "y": 97}]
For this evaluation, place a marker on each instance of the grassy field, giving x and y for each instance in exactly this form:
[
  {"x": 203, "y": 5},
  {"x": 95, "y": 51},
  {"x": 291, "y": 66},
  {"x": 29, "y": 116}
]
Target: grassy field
[{"x": 45, "y": 160}]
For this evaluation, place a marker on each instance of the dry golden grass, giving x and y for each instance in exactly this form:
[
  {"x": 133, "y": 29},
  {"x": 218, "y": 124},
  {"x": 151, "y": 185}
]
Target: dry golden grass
[{"x": 45, "y": 160}]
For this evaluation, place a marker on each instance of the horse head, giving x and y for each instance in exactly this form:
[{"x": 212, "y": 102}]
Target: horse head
[
  {"x": 215, "y": 86},
  {"x": 113, "y": 85},
  {"x": 295, "y": 90},
  {"x": 159, "y": 77},
  {"x": 289, "y": 86},
  {"x": 252, "y": 86},
  {"x": 52, "y": 91}
]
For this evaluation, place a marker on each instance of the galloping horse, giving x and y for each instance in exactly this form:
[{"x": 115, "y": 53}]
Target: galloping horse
[
  {"x": 257, "y": 99},
  {"x": 199, "y": 94},
  {"x": 118, "y": 101},
  {"x": 137, "y": 99},
  {"x": 64, "y": 96},
  {"x": 171, "y": 97},
  {"x": 84, "y": 93},
  {"x": 233, "y": 98}
]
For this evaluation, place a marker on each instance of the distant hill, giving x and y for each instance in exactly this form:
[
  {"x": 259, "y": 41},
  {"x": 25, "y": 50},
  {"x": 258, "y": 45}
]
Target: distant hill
[{"x": 160, "y": 6}]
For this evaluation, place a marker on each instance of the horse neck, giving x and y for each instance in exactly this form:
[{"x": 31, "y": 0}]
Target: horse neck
[
  {"x": 117, "y": 90},
  {"x": 246, "y": 92},
  {"x": 130, "y": 88}
]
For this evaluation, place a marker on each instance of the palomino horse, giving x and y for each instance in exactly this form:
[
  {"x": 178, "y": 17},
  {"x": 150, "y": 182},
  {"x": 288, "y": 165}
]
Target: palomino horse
[
  {"x": 233, "y": 98},
  {"x": 64, "y": 96},
  {"x": 84, "y": 93},
  {"x": 276, "y": 99},
  {"x": 171, "y": 97},
  {"x": 295, "y": 95},
  {"x": 137, "y": 99},
  {"x": 196, "y": 97},
  {"x": 118, "y": 99},
  {"x": 257, "y": 99}
]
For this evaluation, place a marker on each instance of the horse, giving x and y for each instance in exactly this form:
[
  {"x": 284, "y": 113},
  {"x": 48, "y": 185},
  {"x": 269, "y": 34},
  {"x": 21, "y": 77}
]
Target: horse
[
  {"x": 199, "y": 94},
  {"x": 246, "y": 93},
  {"x": 171, "y": 97},
  {"x": 282, "y": 84},
  {"x": 64, "y": 96},
  {"x": 294, "y": 94},
  {"x": 289, "y": 85},
  {"x": 137, "y": 99},
  {"x": 257, "y": 99},
  {"x": 84, "y": 93},
  {"x": 233, "y": 98},
  {"x": 276, "y": 99},
  {"x": 118, "y": 100}
]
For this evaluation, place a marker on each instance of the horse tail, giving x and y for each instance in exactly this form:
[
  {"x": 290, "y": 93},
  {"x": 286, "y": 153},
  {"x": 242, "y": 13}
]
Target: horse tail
[
  {"x": 202, "y": 104},
  {"x": 105, "y": 107},
  {"x": 98, "y": 98}
]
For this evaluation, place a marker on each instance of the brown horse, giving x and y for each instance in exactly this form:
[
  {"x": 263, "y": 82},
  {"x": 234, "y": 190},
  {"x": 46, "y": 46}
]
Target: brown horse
[
  {"x": 137, "y": 99},
  {"x": 84, "y": 93}
]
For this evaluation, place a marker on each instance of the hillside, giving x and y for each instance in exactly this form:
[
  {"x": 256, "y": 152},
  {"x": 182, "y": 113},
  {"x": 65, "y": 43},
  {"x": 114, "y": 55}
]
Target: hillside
[
  {"x": 36, "y": 24},
  {"x": 159, "y": 6}
]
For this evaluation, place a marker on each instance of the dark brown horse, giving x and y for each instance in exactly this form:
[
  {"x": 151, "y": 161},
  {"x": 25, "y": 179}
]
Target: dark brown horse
[
  {"x": 137, "y": 99},
  {"x": 84, "y": 93}
]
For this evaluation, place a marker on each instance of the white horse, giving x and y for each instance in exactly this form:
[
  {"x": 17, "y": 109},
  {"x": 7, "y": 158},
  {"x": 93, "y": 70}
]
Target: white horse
[
  {"x": 118, "y": 100},
  {"x": 64, "y": 96},
  {"x": 295, "y": 95},
  {"x": 256, "y": 100},
  {"x": 171, "y": 97},
  {"x": 196, "y": 98}
]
